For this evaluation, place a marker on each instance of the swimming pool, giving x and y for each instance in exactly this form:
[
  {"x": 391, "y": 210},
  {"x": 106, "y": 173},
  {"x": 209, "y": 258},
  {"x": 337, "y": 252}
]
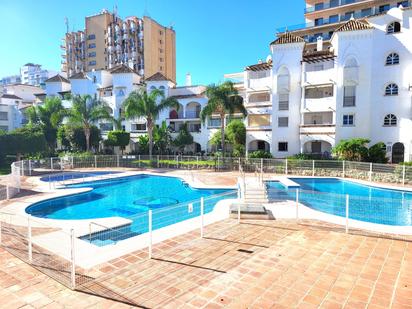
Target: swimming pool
[
  {"x": 366, "y": 203},
  {"x": 74, "y": 175},
  {"x": 131, "y": 197}
]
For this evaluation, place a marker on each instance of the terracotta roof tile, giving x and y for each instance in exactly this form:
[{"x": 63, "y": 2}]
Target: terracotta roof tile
[
  {"x": 10, "y": 96},
  {"x": 121, "y": 68},
  {"x": 288, "y": 38},
  {"x": 354, "y": 25},
  {"x": 80, "y": 75},
  {"x": 57, "y": 78},
  {"x": 260, "y": 66},
  {"x": 157, "y": 77}
]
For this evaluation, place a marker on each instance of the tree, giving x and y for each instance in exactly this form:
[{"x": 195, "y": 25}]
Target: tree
[
  {"x": 49, "y": 117},
  {"x": 118, "y": 138},
  {"x": 377, "y": 153},
  {"x": 22, "y": 141},
  {"x": 223, "y": 99},
  {"x": 73, "y": 137},
  {"x": 354, "y": 149},
  {"x": 161, "y": 138},
  {"x": 184, "y": 138},
  {"x": 143, "y": 144},
  {"x": 148, "y": 105},
  {"x": 86, "y": 111}
]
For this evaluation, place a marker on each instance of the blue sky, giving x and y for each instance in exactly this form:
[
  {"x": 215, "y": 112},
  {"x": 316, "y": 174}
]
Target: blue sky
[{"x": 213, "y": 37}]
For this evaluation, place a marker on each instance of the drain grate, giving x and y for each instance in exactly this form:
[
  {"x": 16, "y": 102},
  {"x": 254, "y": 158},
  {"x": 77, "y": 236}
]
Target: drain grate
[{"x": 245, "y": 251}]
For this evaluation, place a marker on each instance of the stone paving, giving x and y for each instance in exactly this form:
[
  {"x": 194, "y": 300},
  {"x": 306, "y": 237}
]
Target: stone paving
[{"x": 255, "y": 264}]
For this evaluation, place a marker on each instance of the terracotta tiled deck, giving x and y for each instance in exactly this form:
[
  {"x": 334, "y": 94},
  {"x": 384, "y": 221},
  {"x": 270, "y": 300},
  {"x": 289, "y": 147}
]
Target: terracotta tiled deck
[{"x": 257, "y": 264}]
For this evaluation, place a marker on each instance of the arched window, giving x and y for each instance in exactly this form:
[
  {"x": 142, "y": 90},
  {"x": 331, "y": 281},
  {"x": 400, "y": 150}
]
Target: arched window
[
  {"x": 162, "y": 88},
  {"x": 390, "y": 120},
  {"x": 393, "y": 58},
  {"x": 152, "y": 88},
  {"x": 393, "y": 27},
  {"x": 391, "y": 89}
]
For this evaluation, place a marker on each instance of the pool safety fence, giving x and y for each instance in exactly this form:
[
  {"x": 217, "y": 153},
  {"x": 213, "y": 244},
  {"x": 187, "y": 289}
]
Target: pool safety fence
[
  {"x": 47, "y": 248},
  {"x": 384, "y": 215},
  {"x": 63, "y": 252}
]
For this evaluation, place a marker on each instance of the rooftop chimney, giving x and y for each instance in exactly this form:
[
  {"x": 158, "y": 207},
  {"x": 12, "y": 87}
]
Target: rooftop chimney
[
  {"x": 188, "y": 79},
  {"x": 319, "y": 43}
]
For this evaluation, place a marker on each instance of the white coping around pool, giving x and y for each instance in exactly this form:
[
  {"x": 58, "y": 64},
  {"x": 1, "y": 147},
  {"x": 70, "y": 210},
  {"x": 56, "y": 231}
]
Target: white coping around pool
[
  {"x": 88, "y": 255},
  {"x": 287, "y": 209}
]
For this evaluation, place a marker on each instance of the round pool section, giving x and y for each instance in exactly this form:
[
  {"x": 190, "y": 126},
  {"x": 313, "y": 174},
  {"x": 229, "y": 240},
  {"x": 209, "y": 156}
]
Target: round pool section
[
  {"x": 64, "y": 176},
  {"x": 366, "y": 203}
]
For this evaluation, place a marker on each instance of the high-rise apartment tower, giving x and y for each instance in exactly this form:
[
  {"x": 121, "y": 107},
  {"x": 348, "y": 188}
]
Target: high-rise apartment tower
[{"x": 107, "y": 40}]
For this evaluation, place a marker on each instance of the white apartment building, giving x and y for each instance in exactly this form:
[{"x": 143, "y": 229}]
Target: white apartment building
[
  {"x": 33, "y": 74},
  {"x": 304, "y": 98},
  {"x": 10, "y": 113},
  {"x": 307, "y": 97}
]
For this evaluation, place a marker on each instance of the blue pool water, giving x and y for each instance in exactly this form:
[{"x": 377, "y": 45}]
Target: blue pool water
[
  {"x": 130, "y": 197},
  {"x": 74, "y": 175},
  {"x": 366, "y": 203}
]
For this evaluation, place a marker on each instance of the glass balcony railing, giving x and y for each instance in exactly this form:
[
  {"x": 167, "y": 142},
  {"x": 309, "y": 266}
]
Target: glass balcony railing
[
  {"x": 337, "y": 3},
  {"x": 341, "y": 18}
]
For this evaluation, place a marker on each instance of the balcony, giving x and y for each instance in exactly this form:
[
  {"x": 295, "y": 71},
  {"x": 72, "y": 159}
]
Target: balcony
[
  {"x": 318, "y": 129},
  {"x": 318, "y": 77},
  {"x": 257, "y": 99},
  {"x": 329, "y": 5}
]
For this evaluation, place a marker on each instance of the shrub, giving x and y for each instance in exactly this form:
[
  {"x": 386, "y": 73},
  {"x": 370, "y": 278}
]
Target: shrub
[
  {"x": 377, "y": 153},
  {"x": 72, "y": 137},
  {"x": 118, "y": 138},
  {"x": 353, "y": 149},
  {"x": 260, "y": 154}
]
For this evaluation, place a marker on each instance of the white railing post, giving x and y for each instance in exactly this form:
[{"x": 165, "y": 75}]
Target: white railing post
[
  {"x": 51, "y": 163},
  {"x": 343, "y": 169},
  {"x": 403, "y": 174},
  {"x": 118, "y": 161},
  {"x": 218, "y": 162},
  {"x": 73, "y": 262},
  {"x": 158, "y": 161},
  {"x": 72, "y": 162},
  {"x": 29, "y": 167},
  {"x": 297, "y": 204},
  {"x": 197, "y": 162},
  {"x": 313, "y": 168},
  {"x": 202, "y": 211},
  {"x": 7, "y": 192},
  {"x": 61, "y": 163},
  {"x": 29, "y": 240},
  {"x": 177, "y": 161},
  {"x": 244, "y": 188},
  {"x": 95, "y": 161},
  {"x": 347, "y": 213},
  {"x": 370, "y": 171},
  {"x": 150, "y": 233},
  {"x": 239, "y": 164},
  {"x": 286, "y": 166},
  {"x": 139, "y": 161}
]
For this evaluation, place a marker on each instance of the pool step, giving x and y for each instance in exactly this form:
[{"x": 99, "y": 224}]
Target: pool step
[{"x": 255, "y": 192}]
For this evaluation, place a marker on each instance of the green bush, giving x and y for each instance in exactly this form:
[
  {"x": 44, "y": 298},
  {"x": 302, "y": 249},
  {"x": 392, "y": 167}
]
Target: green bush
[
  {"x": 72, "y": 137},
  {"x": 260, "y": 154},
  {"x": 377, "y": 153},
  {"x": 118, "y": 138}
]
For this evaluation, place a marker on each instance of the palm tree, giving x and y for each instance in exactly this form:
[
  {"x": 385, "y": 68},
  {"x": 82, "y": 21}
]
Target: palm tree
[
  {"x": 49, "y": 117},
  {"x": 223, "y": 99},
  {"x": 148, "y": 105},
  {"x": 85, "y": 111}
]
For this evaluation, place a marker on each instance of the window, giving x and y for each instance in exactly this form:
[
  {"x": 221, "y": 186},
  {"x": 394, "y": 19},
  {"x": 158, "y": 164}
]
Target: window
[
  {"x": 393, "y": 58},
  {"x": 4, "y": 116},
  {"x": 333, "y": 3},
  {"x": 403, "y": 3},
  {"x": 333, "y": 19},
  {"x": 318, "y": 92},
  {"x": 366, "y": 12},
  {"x": 349, "y": 96},
  {"x": 91, "y": 37},
  {"x": 318, "y": 6},
  {"x": 384, "y": 8},
  {"x": 138, "y": 127},
  {"x": 4, "y": 128},
  {"x": 259, "y": 97},
  {"x": 391, "y": 89},
  {"x": 94, "y": 79},
  {"x": 284, "y": 102},
  {"x": 348, "y": 15},
  {"x": 92, "y": 62},
  {"x": 283, "y": 121},
  {"x": 214, "y": 122},
  {"x": 92, "y": 54},
  {"x": 106, "y": 127},
  {"x": 152, "y": 87},
  {"x": 390, "y": 120},
  {"x": 318, "y": 21},
  {"x": 162, "y": 87},
  {"x": 393, "y": 27},
  {"x": 348, "y": 120},
  {"x": 161, "y": 59},
  {"x": 92, "y": 45},
  {"x": 282, "y": 146}
]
